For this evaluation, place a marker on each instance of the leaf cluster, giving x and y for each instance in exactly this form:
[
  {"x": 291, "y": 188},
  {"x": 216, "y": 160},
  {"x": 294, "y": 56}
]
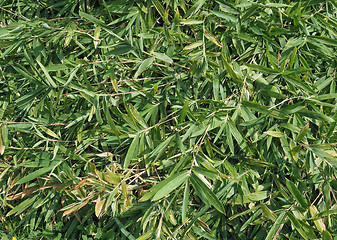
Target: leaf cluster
[{"x": 168, "y": 119}]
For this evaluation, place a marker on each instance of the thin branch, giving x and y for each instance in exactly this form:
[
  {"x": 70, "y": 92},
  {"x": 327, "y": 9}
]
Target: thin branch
[
  {"x": 20, "y": 16},
  {"x": 33, "y": 123}
]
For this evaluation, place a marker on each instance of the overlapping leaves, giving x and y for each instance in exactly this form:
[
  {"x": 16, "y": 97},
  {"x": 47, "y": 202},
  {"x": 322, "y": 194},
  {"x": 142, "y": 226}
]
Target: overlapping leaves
[{"x": 168, "y": 119}]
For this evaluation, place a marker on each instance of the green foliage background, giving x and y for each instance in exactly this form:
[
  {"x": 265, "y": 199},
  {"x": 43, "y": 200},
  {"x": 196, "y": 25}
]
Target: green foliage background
[{"x": 168, "y": 119}]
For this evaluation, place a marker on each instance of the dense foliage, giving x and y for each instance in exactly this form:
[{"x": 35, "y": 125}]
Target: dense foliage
[{"x": 168, "y": 119}]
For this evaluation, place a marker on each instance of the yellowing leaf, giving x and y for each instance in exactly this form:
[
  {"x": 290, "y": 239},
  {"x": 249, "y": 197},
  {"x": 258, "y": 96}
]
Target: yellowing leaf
[
  {"x": 318, "y": 222},
  {"x": 275, "y": 134},
  {"x": 99, "y": 206},
  {"x": 96, "y": 36},
  {"x": 193, "y": 45},
  {"x": 50, "y": 132},
  {"x": 191, "y": 22},
  {"x": 213, "y": 39}
]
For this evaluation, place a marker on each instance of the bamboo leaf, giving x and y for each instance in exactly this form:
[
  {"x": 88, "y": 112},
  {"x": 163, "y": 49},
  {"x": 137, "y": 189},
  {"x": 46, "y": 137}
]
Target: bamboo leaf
[
  {"x": 170, "y": 186},
  {"x": 262, "y": 69},
  {"x": 163, "y": 57},
  {"x": 201, "y": 187},
  {"x": 268, "y": 213},
  {"x": 50, "y": 81},
  {"x": 142, "y": 67},
  {"x": 230, "y": 70},
  {"x": 191, "y": 22},
  {"x": 170, "y": 180},
  {"x": 326, "y": 235},
  {"x": 275, "y": 134},
  {"x": 34, "y": 175},
  {"x": 194, "y": 45},
  {"x": 99, "y": 23},
  {"x": 278, "y": 224},
  {"x": 132, "y": 152},
  {"x": 161, "y": 147},
  {"x": 297, "y": 195},
  {"x": 318, "y": 222},
  {"x": 185, "y": 202},
  {"x": 22, "y": 206},
  {"x": 161, "y": 10}
]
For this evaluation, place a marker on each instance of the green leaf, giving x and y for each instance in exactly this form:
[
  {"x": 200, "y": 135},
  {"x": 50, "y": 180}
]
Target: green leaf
[
  {"x": 50, "y": 81},
  {"x": 97, "y": 110},
  {"x": 11, "y": 48},
  {"x": 326, "y": 235},
  {"x": 326, "y": 96},
  {"x": 297, "y": 82},
  {"x": 295, "y": 71},
  {"x": 58, "y": 67},
  {"x": 318, "y": 222},
  {"x": 302, "y": 133},
  {"x": 327, "y": 213},
  {"x": 277, "y": 5},
  {"x": 226, "y": 16},
  {"x": 132, "y": 152},
  {"x": 161, "y": 147},
  {"x": 205, "y": 172},
  {"x": 249, "y": 198},
  {"x": 195, "y": 8},
  {"x": 163, "y": 57},
  {"x": 315, "y": 115},
  {"x": 278, "y": 224},
  {"x": 34, "y": 175},
  {"x": 99, "y": 23},
  {"x": 22, "y": 206},
  {"x": 77, "y": 120},
  {"x": 297, "y": 195},
  {"x": 262, "y": 69},
  {"x": 109, "y": 118},
  {"x": 142, "y": 67},
  {"x": 185, "y": 201},
  {"x": 122, "y": 228},
  {"x": 145, "y": 236},
  {"x": 120, "y": 50},
  {"x": 201, "y": 188},
  {"x": 286, "y": 147},
  {"x": 213, "y": 39},
  {"x": 180, "y": 144},
  {"x": 50, "y": 132},
  {"x": 171, "y": 183},
  {"x": 170, "y": 180},
  {"x": 230, "y": 70},
  {"x": 264, "y": 109},
  {"x": 299, "y": 226},
  {"x": 161, "y": 10},
  {"x": 268, "y": 213},
  {"x": 324, "y": 40},
  {"x": 184, "y": 111},
  {"x": 76, "y": 87}
]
